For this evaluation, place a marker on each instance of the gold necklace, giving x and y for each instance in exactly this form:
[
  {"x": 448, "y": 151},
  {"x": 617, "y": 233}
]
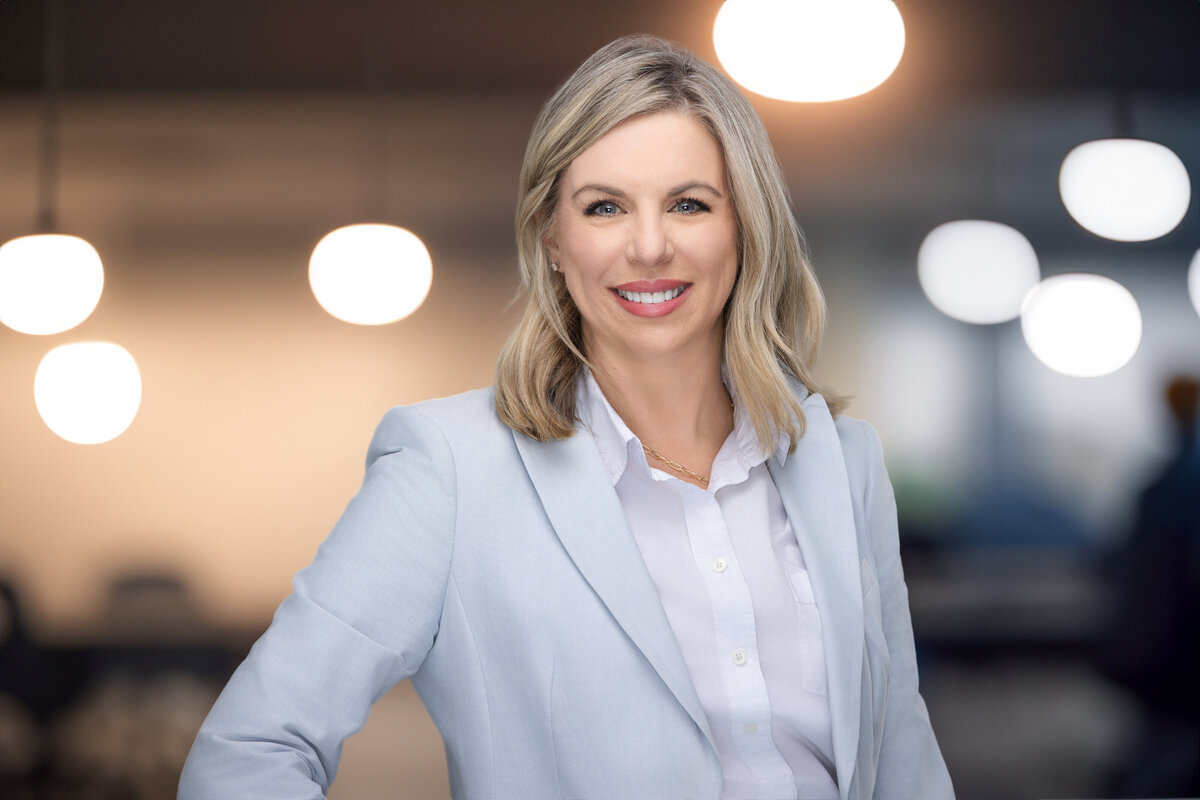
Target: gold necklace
[{"x": 675, "y": 465}]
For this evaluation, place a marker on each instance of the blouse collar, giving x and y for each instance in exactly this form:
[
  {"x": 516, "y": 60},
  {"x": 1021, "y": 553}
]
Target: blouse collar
[{"x": 620, "y": 448}]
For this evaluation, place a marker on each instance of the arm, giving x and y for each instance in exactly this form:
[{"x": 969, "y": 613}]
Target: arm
[
  {"x": 360, "y": 618},
  {"x": 910, "y": 764}
]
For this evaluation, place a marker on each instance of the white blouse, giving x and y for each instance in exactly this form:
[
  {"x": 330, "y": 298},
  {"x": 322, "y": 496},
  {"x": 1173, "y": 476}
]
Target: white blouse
[{"x": 736, "y": 592}]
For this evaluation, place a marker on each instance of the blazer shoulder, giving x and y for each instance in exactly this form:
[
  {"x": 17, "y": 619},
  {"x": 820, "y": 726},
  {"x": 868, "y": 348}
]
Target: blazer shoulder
[
  {"x": 862, "y": 451},
  {"x": 858, "y": 437},
  {"x": 456, "y": 422}
]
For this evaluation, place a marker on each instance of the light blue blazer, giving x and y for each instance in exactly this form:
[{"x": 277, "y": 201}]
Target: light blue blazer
[{"x": 500, "y": 575}]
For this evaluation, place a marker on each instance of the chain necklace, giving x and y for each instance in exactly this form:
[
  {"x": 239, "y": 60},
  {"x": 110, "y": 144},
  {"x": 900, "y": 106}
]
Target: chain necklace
[{"x": 675, "y": 465}]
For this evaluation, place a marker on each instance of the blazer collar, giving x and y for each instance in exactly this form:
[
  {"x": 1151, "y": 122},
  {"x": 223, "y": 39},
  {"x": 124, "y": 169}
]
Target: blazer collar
[
  {"x": 577, "y": 494},
  {"x": 576, "y": 491},
  {"x": 814, "y": 486}
]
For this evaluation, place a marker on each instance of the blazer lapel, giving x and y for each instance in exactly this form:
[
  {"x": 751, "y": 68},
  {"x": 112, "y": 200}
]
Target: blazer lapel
[
  {"x": 585, "y": 512},
  {"x": 815, "y": 490}
]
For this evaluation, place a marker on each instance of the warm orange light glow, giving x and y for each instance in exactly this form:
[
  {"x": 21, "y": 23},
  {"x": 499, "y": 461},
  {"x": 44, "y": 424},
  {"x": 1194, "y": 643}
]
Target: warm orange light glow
[{"x": 49, "y": 282}]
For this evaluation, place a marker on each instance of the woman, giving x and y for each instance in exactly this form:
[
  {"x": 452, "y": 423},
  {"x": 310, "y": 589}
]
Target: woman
[{"x": 650, "y": 564}]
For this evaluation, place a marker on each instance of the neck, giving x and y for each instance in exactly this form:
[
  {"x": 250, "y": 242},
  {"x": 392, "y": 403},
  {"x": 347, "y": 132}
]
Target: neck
[{"x": 678, "y": 406}]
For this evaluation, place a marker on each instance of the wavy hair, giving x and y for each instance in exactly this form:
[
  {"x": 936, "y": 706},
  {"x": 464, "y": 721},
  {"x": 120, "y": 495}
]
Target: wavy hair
[{"x": 776, "y": 313}]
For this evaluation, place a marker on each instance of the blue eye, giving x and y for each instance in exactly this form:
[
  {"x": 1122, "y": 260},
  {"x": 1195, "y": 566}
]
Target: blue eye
[
  {"x": 602, "y": 208},
  {"x": 690, "y": 205}
]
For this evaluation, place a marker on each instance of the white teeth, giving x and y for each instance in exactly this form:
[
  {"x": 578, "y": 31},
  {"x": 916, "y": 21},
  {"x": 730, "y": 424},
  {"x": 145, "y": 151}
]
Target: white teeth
[{"x": 648, "y": 297}]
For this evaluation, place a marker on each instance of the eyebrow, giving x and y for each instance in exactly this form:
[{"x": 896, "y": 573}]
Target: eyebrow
[
  {"x": 687, "y": 187},
  {"x": 615, "y": 192}
]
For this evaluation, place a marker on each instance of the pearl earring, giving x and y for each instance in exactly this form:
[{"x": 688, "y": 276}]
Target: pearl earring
[{"x": 554, "y": 266}]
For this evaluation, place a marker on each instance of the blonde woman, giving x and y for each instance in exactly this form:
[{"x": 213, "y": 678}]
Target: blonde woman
[{"x": 653, "y": 562}]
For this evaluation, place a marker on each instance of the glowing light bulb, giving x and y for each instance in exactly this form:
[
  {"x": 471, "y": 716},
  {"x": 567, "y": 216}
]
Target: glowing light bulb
[
  {"x": 1194, "y": 281},
  {"x": 809, "y": 50},
  {"x": 88, "y": 392},
  {"x": 977, "y": 271},
  {"x": 1081, "y": 325},
  {"x": 1129, "y": 190},
  {"x": 49, "y": 282},
  {"x": 370, "y": 274}
]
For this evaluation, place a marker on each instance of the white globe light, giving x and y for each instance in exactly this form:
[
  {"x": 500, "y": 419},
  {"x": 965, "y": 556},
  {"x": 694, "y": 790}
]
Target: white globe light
[
  {"x": 977, "y": 271},
  {"x": 370, "y": 274},
  {"x": 809, "y": 50},
  {"x": 88, "y": 392},
  {"x": 1129, "y": 190},
  {"x": 1081, "y": 325},
  {"x": 1194, "y": 281},
  {"x": 49, "y": 282}
]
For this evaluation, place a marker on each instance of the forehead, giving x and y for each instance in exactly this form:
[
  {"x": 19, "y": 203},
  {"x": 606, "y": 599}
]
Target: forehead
[{"x": 670, "y": 147}]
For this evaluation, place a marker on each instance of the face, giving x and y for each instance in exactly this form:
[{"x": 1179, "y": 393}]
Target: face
[{"x": 646, "y": 239}]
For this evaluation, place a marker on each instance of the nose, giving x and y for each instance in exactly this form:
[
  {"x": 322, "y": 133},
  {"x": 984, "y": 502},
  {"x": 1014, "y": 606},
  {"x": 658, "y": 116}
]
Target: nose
[{"x": 649, "y": 242}]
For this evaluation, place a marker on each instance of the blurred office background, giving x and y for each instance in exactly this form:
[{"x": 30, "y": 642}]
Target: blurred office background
[{"x": 205, "y": 147}]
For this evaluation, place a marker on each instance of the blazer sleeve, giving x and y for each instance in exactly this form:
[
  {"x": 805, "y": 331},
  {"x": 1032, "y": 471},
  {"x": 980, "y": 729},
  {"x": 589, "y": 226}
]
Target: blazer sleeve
[
  {"x": 910, "y": 764},
  {"x": 360, "y": 618}
]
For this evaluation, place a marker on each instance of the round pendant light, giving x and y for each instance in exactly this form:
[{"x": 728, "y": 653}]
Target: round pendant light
[
  {"x": 977, "y": 271},
  {"x": 1194, "y": 281},
  {"x": 370, "y": 274},
  {"x": 1081, "y": 325},
  {"x": 809, "y": 50},
  {"x": 88, "y": 392},
  {"x": 49, "y": 282},
  {"x": 1128, "y": 190}
]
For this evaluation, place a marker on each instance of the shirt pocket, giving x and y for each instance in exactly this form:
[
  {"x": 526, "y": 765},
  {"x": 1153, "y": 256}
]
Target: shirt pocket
[{"x": 812, "y": 650}]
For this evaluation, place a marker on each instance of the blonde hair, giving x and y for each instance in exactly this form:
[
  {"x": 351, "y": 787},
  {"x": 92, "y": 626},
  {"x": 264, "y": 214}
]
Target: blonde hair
[{"x": 776, "y": 313}]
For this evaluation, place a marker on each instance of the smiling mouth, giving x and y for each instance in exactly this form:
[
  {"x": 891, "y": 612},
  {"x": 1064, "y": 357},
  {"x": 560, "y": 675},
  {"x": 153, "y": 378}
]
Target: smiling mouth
[{"x": 650, "y": 298}]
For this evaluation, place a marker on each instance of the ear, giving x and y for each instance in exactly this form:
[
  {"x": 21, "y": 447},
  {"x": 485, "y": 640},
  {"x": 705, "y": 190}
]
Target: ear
[{"x": 550, "y": 245}]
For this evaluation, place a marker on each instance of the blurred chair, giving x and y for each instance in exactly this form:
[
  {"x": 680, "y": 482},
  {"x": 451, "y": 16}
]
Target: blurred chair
[{"x": 150, "y": 607}]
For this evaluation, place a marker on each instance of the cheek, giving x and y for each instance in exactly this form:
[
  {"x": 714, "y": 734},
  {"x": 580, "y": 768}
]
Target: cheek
[
  {"x": 586, "y": 249},
  {"x": 580, "y": 291},
  {"x": 721, "y": 248}
]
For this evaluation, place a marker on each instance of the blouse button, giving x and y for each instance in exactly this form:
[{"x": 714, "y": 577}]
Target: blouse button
[
  {"x": 719, "y": 565},
  {"x": 739, "y": 656}
]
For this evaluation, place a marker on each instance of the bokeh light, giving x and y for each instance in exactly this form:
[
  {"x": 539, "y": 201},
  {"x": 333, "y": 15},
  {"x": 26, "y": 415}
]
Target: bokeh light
[
  {"x": 49, "y": 282},
  {"x": 1129, "y": 190},
  {"x": 370, "y": 274},
  {"x": 88, "y": 392},
  {"x": 977, "y": 271},
  {"x": 1081, "y": 325},
  {"x": 1194, "y": 281},
  {"x": 809, "y": 50}
]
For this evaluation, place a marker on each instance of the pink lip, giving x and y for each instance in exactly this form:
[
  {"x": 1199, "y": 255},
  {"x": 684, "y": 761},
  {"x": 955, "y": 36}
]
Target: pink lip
[{"x": 652, "y": 309}]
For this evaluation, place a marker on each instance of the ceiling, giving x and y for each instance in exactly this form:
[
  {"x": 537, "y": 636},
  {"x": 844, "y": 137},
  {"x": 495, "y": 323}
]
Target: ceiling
[
  {"x": 958, "y": 46},
  {"x": 988, "y": 99}
]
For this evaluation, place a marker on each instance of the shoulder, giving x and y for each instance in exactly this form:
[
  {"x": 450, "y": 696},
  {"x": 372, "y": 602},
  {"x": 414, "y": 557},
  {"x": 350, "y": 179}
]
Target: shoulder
[
  {"x": 444, "y": 424},
  {"x": 862, "y": 452},
  {"x": 860, "y": 444},
  {"x": 860, "y": 441}
]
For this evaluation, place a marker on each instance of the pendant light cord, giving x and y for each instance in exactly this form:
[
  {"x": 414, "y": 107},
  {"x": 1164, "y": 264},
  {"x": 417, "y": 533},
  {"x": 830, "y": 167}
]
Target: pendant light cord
[
  {"x": 52, "y": 69},
  {"x": 1123, "y": 22}
]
